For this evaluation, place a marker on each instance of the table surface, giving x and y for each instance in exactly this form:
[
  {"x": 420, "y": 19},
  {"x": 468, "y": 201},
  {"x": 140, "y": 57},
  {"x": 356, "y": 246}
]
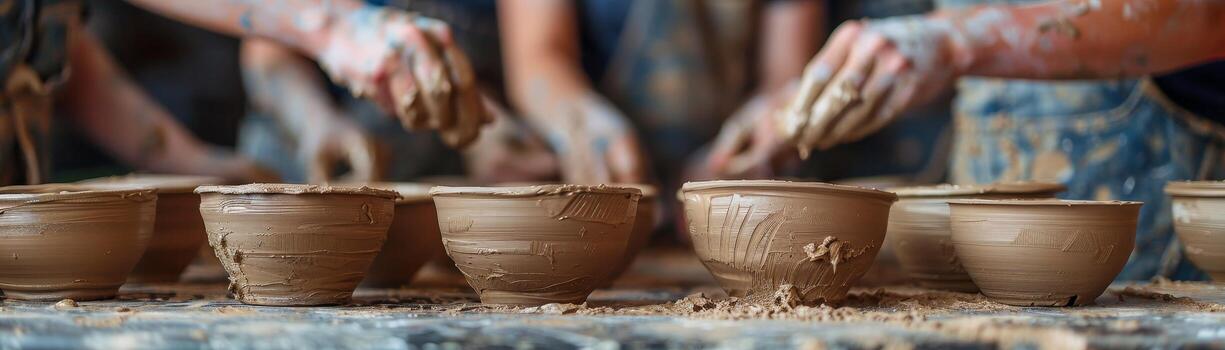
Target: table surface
[{"x": 667, "y": 301}]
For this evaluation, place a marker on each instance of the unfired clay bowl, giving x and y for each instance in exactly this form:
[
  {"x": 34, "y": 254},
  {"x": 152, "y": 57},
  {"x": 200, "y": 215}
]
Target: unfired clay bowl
[
  {"x": 178, "y": 230},
  {"x": 1199, "y": 219},
  {"x": 644, "y": 225},
  {"x": 537, "y": 244},
  {"x": 920, "y": 236},
  {"x": 412, "y": 240},
  {"x": 286, "y": 245},
  {"x": 756, "y": 236},
  {"x": 71, "y": 241},
  {"x": 1043, "y": 252}
]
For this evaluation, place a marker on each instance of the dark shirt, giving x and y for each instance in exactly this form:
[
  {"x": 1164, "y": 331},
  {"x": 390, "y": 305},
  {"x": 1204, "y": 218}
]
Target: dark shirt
[{"x": 1199, "y": 89}]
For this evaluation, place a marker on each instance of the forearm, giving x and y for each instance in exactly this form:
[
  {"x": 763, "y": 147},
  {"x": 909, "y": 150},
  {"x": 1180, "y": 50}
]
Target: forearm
[
  {"x": 286, "y": 86},
  {"x": 1084, "y": 39},
  {"x": 119, "y": 117},
  {"x": 789, "y": 39},
  {"x": 301, "y": 24}
]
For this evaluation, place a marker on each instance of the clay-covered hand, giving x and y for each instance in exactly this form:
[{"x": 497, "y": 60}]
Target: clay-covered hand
[
  {"x": 508, "y": 151},
  {"x": 748, "y": 143},
  {"x": 596, "y": 144},
  {"x": 866, "y": 75},
  {"x": 322, "y": 148},
  {"x": 410, "y": 66}
]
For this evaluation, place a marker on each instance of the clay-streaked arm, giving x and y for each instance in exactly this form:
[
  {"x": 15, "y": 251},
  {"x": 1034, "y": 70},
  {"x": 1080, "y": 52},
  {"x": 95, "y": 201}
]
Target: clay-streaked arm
[
  {"x": 409, "y": 65},
  {"x": 547, "y": 84},
  {"x": 871, "y": 71},
  {"x": 117, "y": 115}
]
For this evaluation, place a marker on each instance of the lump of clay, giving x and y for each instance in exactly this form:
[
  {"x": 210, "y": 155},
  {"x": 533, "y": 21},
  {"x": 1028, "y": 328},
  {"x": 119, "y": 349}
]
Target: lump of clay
[
  {"x": 1043, "y": 252},
  {"x": 178, "y": 230},
  {"x": 919, "y": 230},
  {"x": 756, "y": 236},
  {"x": 295, "y": 244},
  {"x": 1199, "y": 219},
  {"x": 412, "y": 240},
  {"x": 536, "y": 245},
  {"x": 71, "y": 241}
]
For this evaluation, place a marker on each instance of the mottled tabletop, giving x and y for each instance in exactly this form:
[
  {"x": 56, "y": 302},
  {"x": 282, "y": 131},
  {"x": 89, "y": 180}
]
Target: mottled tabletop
[{"x": 666, "y": 301}]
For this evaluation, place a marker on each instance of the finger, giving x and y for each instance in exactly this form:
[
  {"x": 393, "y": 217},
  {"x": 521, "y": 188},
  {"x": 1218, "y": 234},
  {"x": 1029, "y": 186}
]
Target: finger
[
  {"x": 625, "y": 161},
  {"x": 890, "y": 107},
  {"x": 843, "y": 92},
  {"x": 431, "y": 75},
  {"x": 729, "y": 142},
  {"x": 470, "y": 112},
  {"x": 319, "y": 168},
  {"x": 407, "y": 101},
  {"x": 816, "y": 76},
  {"x": 875, "y": 91}
]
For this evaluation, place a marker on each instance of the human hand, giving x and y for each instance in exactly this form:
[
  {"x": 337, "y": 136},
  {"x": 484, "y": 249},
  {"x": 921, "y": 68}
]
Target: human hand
[
  {"x": 229, "y": 166},
  {"x": 410, "y": 66},
  {"x": 508, "y": 152},
  {"x": 322, "y": 147},
  {"x": 596, "y": 144},
  {"x": 749, "y": 142},
  {"x": 866, "y": 75}
]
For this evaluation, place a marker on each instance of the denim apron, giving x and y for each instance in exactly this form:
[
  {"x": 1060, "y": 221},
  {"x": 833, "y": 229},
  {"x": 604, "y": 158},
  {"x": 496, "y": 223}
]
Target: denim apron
[{"x": 1104, "y": 139}]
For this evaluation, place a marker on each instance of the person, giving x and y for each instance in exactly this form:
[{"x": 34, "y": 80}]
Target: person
[
  {"x": 295, "y": 112},
  {"x": 1053, "y": 90},
  {"x": 381, "y": 55}
]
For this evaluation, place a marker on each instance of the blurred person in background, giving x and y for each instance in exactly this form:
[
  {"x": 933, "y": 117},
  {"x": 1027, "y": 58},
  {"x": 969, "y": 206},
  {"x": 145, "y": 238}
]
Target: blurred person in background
[
  {"x": 1132, "y": 98},
  {"x": 44, "y": 39}
]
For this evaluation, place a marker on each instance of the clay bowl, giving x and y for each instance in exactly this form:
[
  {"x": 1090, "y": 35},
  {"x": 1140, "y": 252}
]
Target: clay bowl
[
  {"x": 536, "y": 244},
  {"x": 920, "y": 236},
  {"x": 1199, "y": 220},
  {"x": 1043, "y": 252},
  {"x": 644, "y": 225},
  {"x": 286, "y": 245},
  {"x": 412, "y": 240},
  {"x": 71, "y": 241},
  {"x": 757, "y": 236},
  {"x": 178, "y": 230}
]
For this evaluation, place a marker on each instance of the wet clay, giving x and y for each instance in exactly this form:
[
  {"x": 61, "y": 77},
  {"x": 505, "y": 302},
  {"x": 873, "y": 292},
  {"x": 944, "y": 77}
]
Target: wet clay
[
  {"x": 412, "y": 240},
  {"x": 755, "y": 236},
  {"x": 920, "y": 236},
  {"x": 70, "y": 241},
  {"x": 1199, "y": 220},
  {"x": 538, "y": 244},
  {"x": 295, "y": 244},
  {"x": 644, "y": 225},
  {"x": 1043, "y": 252},
  {"x": 178, "y": 230}
]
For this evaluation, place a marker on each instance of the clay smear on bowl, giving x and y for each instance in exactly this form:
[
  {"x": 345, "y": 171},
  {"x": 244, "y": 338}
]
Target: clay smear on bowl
[
  {"x": 178, "y": 230},
  {"x": 412, "y": 240},
  {"x": 920, "y": 235},
  {"x": 1199, "y": 219},
  {"x": 756, "y": 236},
  {"x": 70, "y": 241},
  {"x": 295, "y": 244},
  {"x": 538, "y": 244},
  {"x": 1043, "y": 252}
]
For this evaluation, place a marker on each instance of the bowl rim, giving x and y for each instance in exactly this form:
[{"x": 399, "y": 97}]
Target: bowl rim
[
  {"x": 410, "y": 192},
  {"x": 951, "y": 190},
  {"x": 1196, "y": 188},
  {"x": 529, "y": 191},
  {"x": 65, "y": 191},
  {"x": 783, "y": 184},
  {"x": 164, "y": 183},
  {"x": 296, "y": 189},
  {"x": 1054, "y": 202},
  {"x": 648, "y": 190}
]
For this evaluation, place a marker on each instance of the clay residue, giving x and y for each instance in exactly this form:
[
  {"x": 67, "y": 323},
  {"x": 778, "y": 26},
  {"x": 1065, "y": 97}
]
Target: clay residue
[
  {"x": 547, "y": 244},
  {"x": 261, "y": 188},
  {"x": 296, "y": 249},
  {"x": 832, "y": 251},
  {"x": 65, "y": 241},
  {"x": 1043, "y": 252}
]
